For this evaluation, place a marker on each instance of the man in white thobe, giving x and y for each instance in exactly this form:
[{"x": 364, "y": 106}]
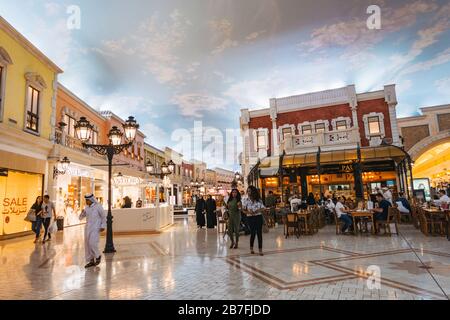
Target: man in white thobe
[{"x": 96, "y": 223}]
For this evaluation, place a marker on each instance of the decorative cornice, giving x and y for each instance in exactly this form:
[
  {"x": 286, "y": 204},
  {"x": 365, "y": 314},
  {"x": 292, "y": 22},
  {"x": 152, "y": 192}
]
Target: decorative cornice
[
  {"x": 4, "y": 57},
  {"x": 16, "y": 35}
]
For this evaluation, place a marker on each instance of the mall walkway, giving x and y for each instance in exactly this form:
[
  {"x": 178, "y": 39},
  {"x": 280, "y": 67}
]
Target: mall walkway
[{"x": 186, "y": 263}]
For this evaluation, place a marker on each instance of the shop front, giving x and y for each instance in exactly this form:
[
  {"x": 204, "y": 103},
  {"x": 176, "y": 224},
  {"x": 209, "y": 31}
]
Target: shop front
[
  {"x": 132, "y": 187},
  {"x": 355, "y": 173},
  {"x": 71, "y": 188},
  {"x": 18, "y": 192}
]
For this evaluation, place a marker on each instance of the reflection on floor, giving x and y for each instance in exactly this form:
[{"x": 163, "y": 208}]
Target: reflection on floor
[{"x": 186, "y": 263}]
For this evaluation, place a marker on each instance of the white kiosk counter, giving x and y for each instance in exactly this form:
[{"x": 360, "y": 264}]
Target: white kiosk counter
[{"x": 142, "y": 220}]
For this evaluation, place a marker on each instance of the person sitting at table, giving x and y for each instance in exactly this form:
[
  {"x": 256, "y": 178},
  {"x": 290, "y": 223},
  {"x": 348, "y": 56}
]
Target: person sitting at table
[
  {"x": 311, "y": 201},
  {"x": 329, "y": 209},
  {"x": 342, "y": 214},
  {"x": 403, "y": 204},
  {"x": 381, "y": 213},
  {"x": 443, "y": 197}
]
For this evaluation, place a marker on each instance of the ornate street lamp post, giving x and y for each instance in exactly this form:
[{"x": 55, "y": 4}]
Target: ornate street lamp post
[{"x": 83, "y": 130}]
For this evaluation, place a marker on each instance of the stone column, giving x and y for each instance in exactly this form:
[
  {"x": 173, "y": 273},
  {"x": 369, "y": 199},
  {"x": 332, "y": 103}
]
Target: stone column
[
  {"x": 391, "y": 99},
  {"x": 275, "y": 150}
]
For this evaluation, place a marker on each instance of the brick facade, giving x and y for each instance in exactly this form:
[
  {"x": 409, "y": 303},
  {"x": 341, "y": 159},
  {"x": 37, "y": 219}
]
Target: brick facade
[
  {"x": 323, "y": 113},
  {"x": 414, "y": 134},
  {"x": 444, "y": 121},
  {"x": 378, "y": 106}
]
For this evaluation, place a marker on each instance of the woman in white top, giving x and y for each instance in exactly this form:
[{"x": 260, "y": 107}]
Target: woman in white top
[{"x": 253, "y": 207}]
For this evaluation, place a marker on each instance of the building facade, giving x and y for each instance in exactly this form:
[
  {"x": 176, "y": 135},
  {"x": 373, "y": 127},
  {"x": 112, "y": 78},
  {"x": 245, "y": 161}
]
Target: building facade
[
  {"x": 188, "y": 183},
  {"x": 67, "y": 188},
  {"x": 157, "y": 158},
  {"x": 175, "y": 186},
  {"x": 426, "y": 138},
  {"x": 283, "y": 143},
  {"x": 225, "y": 179},
  {"x": 28, "y": 81}
]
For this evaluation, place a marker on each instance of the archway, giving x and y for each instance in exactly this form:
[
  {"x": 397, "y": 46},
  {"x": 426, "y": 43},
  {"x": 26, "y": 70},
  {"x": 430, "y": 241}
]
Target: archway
[{"x": 433, "y": 160}]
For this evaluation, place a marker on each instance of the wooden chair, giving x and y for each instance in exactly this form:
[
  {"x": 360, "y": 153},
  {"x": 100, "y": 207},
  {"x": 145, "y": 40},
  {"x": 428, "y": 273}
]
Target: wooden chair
[
  {"x": 447, "y": 216},
  {"x": 415, "y": 216},
  {"x": 425, "y": 222},
  {"x": 291, "y": 222},
  {"x": 338, "y": 223},
  {"x": 269, "y": 218},
  {"x": 386, "y": 224}
]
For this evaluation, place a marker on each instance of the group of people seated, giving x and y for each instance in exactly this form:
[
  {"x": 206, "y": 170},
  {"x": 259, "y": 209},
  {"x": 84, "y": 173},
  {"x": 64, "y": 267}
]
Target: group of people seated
[{"x": 380, "y": 209}]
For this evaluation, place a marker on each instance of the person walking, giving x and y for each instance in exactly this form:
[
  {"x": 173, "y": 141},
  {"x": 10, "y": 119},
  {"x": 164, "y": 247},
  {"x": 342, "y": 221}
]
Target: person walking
[
  {"x": 48, "y": 208},
  {"x": 95, "y": 224},
  {"x": 234, "y": 206},
  {"x": 253, "y": 208},
  {"x": 200, "y": 207},
  {"x": 36, "y": 225},
  {"x": 211, "y": 207}
]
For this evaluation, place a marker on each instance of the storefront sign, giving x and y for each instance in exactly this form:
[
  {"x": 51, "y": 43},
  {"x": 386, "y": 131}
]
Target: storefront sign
[
  {"x": 79, "y": 172},
  {"x": 18, "y": 192},
  {"x": 15, "y": 206},
  {"x": 346, "y": 168},
  {"x": 127, "y": 181}
]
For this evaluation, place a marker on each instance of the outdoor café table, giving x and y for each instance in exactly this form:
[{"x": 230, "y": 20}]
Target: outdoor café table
[
  {"x": 434, "y": 214},
  {"x": 362, "y": 214}
]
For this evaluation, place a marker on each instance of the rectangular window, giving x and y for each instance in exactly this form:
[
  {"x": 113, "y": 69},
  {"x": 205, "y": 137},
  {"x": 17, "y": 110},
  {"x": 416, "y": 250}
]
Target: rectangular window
[
  {"x": 374, "y": 125},
  {"x": 320, "y": 127},
  {"x": 306, "y": 129},
  {"x": 261, "y": 140},
  {"x": 70, "y": 125},
  {"x": 33, "y": 109},
  {"x": 341, "y": 125},
  {"x": 286, "y": 132}
]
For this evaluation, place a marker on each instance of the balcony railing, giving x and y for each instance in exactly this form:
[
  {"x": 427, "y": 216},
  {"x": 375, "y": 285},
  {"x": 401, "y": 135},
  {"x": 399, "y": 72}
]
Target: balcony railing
[
  {"x": 73, "y": 143},
  {"x": 314, "y": 140}
]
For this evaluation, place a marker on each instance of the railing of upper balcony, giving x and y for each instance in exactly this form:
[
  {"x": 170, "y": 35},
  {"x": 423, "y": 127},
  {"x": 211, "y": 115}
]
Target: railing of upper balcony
[
  {"x": 73, "y": 143},
  {"x": 330, "y": 138}
]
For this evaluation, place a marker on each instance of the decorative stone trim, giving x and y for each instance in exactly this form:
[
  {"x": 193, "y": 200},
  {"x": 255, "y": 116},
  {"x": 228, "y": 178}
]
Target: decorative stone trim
[
  {"x": 347, "y": 120},
  {"x": 305, "y": 123},
  {"x": 36, "y": 81},
  {"x": 266, "y": 137},
  {"x": 380, "y": 116},
  {"x": 376, "y": 138},
  {"x": 285, "y": 126},
  {"x": 326, "y": 122},
  {"x": 5, "y": 58}
]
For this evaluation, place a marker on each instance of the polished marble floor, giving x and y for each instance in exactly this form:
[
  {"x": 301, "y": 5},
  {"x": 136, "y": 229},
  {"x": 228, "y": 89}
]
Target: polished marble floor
[{"x": 186, "y": 263}]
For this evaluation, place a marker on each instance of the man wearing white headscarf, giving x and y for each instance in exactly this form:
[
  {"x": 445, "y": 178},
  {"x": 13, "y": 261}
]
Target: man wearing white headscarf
[{"x": 96, "y": 223}]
